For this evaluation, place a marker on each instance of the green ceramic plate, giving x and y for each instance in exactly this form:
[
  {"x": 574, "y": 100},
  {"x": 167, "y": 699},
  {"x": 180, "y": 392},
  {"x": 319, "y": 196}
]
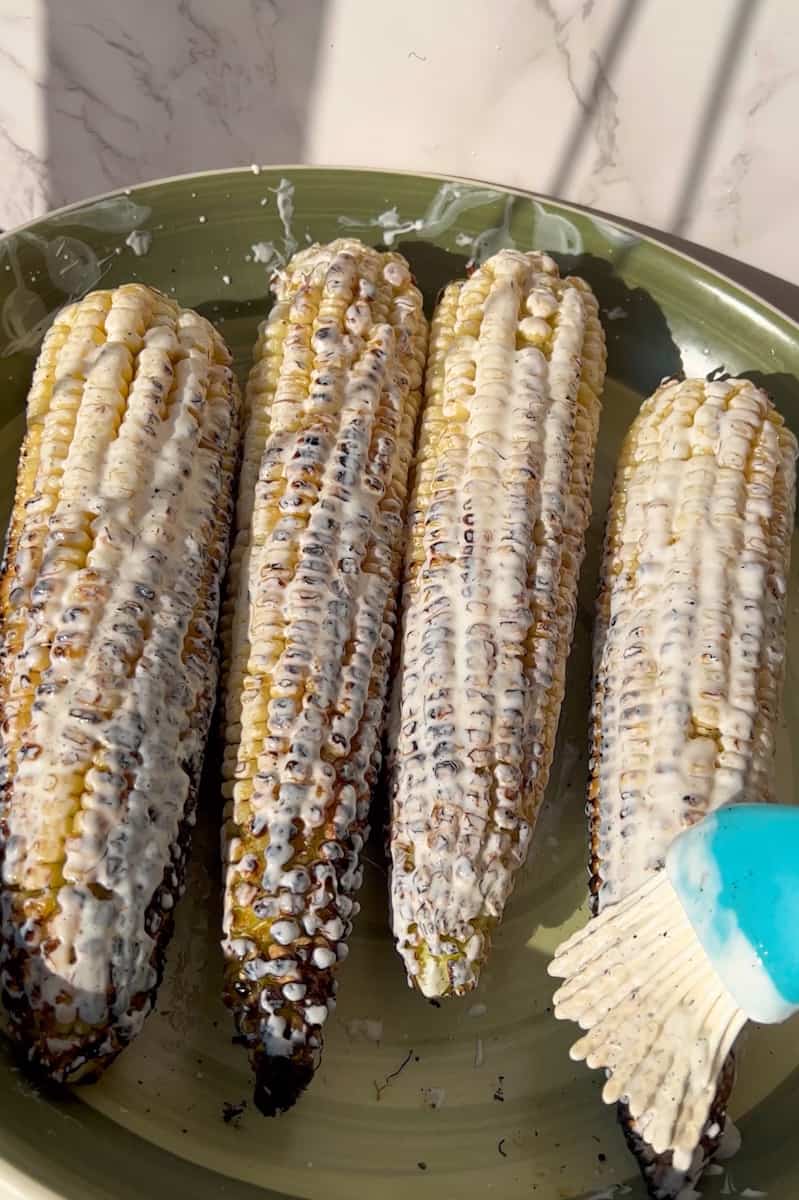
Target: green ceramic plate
[{"x": 478, "y": 1097}]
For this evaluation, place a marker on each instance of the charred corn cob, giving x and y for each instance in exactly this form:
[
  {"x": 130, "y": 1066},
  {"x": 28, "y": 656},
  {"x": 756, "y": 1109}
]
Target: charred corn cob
[
  {"x": 689, "y": 649},
  {"x": 109, "y": 599},
  {"x": 497, "y": 524},
  {"x": 307, "y": 630}
]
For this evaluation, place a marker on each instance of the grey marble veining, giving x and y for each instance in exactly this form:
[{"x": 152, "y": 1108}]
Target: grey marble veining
[{"x": 676, "y": 113}]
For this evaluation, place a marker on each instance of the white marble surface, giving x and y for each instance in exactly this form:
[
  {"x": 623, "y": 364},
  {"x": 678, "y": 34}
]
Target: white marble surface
[{"x": 677, "y": 113}]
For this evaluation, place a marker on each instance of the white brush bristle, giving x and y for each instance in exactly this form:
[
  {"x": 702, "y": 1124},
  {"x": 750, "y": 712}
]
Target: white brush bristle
[{"x": 656, "y": 1015}]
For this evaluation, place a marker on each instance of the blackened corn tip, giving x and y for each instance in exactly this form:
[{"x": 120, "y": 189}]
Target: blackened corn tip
[{"x": 279, "y": 1082}]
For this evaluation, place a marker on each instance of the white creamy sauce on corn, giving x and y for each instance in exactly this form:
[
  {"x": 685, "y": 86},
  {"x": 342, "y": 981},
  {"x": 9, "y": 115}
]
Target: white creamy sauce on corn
[
  {"x": 113, "y": 609},
  {"x": 690, "y": 651},
  {"x": 332, "y": 396},
  {"x": 497, "y": 521},
  {"x": 690, "y": 645}
]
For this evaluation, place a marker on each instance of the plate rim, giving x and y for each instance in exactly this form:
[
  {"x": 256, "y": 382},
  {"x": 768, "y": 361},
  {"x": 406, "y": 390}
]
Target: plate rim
[
  {"x": 434, "y": 176},
  {"x": 17, "y": 1180}
]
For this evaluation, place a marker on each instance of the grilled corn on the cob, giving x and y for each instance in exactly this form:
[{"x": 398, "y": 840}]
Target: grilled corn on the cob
[
  {"x": 497, "y": 518},
  {"x": 689, "y": 650},
  {"x": 307, "y": 631},
  {"x": 109, "y": 600}
]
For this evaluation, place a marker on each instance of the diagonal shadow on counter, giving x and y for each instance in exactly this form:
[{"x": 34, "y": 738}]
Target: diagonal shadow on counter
[
  {"x": 590, "y": 104},
  {"x": 732, "y": 52},
  {"x": 188, "y": 83}
]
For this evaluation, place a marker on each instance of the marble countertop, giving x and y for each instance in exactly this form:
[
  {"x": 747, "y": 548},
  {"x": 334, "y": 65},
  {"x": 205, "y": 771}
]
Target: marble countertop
[{"x": 679, "y": 114}]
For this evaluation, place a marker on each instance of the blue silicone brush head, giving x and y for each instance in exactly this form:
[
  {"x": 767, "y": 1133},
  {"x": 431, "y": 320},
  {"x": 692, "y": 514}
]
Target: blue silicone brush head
[
  {"x": 662, "y": 982},
  {"x": 736, "y": 874}
]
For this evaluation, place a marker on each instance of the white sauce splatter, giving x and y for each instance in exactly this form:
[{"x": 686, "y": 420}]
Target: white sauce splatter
[
  {"x": 284, "y": 193},
  {"x": 555, "y": 232},
  {"x": 269, "y": 254},
  {"x": 489, "y": 241},
  {"x": 139, "y": 241},
  {"x": 366, "y": 1028},
  {"x": 434, "y": 1097},
  {"x": 266, "y": 253},
  {"x": 449, "y": 202},
  {"x": 116, "y": 214},
  {"x": 552, "y": 231}
]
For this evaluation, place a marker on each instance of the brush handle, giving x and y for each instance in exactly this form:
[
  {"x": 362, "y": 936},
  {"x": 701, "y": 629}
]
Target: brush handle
[{"x": 736, "y": 874}]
